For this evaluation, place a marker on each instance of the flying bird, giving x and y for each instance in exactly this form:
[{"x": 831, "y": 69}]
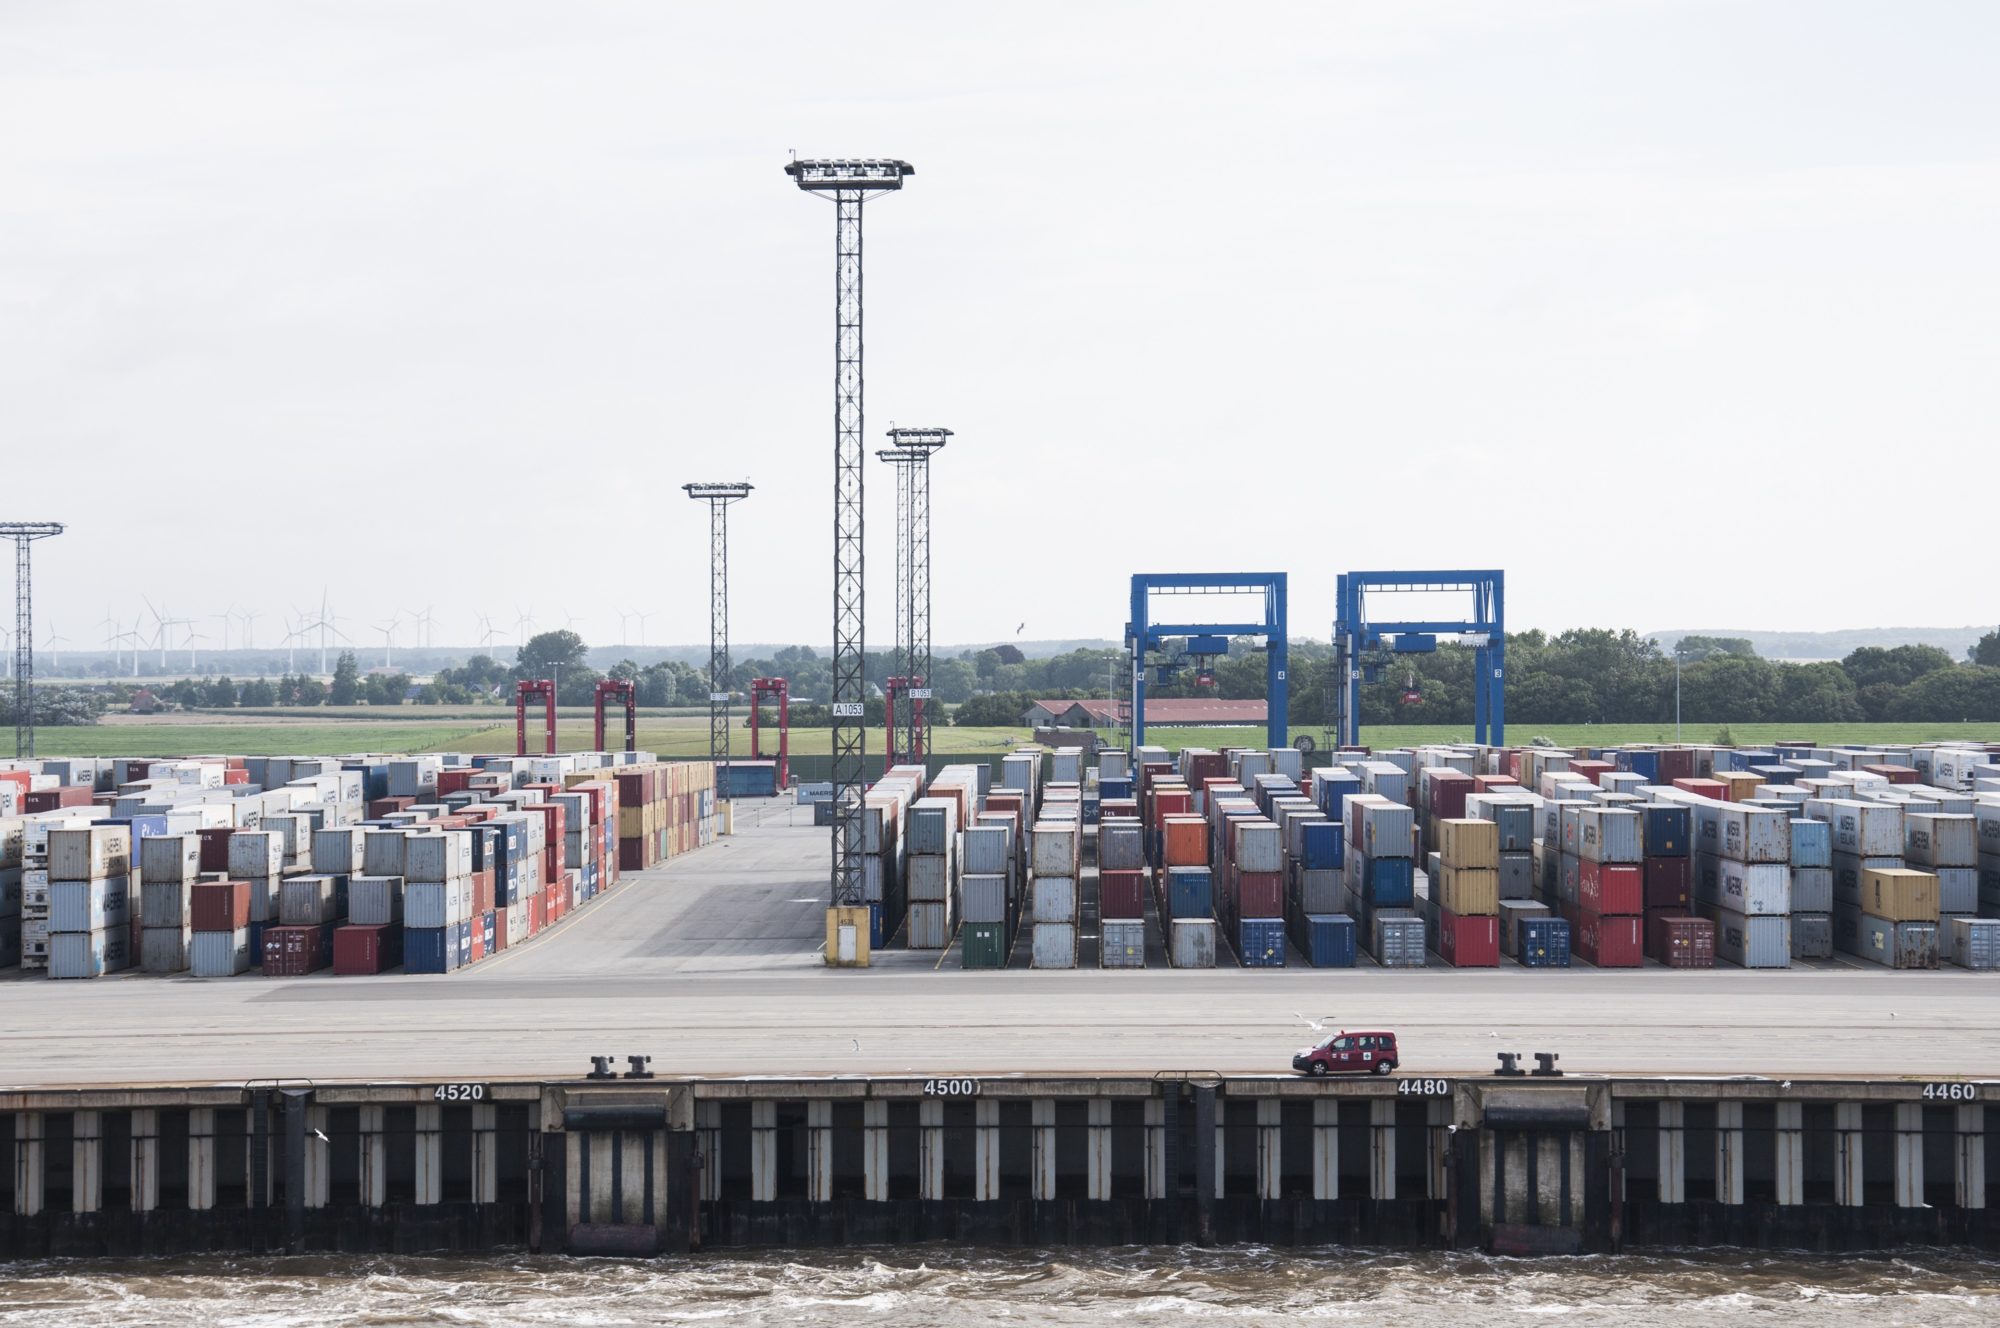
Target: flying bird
[
  {"x": 857, "y": 1044},
  {"x": 1314, "y": 1024},
  {"x": 1022, "y": 628}
]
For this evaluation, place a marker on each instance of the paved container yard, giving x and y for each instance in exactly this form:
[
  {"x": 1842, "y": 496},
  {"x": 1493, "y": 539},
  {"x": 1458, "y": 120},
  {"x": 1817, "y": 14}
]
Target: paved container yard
[{"x": 711, "y": 965}]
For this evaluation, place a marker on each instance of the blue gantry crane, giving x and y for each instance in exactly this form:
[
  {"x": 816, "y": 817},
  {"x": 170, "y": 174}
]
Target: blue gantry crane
[
  {"x": 1207, "y": 641},
  {"x": 1362, "y": 648}
]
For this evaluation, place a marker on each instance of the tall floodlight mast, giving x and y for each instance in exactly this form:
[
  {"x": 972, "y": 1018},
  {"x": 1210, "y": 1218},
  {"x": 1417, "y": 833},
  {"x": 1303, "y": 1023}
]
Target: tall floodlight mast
[
  {"x": 919, "y": 444},
  {"x": 718, "y": 497},
  {"x": 899, "y": 748},
  {"x": 24, "y": 534},
  {"x": 848, "y": 183}
]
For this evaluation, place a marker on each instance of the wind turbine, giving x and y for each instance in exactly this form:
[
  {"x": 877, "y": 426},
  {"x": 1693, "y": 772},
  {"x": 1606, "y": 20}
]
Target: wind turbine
[
  {"x": 487, "y": 631},
  {"x": 111, "y": 639},
  {"x": 388, "y": 631},
  {"x": 133, "y": 639},
  {"x": 327, "y": 624},
  {"x": 55, "y": 659},
  {"x": 642, "y": 624},
  {"x": 161, "y": 622},
  {"x": 226, "y": 617},
  {"x": 249, "y": 618},
  {"x": 524, "y": 622},
  {"x": 192, "y": 637},
  {"x": 428, "y": 627}
]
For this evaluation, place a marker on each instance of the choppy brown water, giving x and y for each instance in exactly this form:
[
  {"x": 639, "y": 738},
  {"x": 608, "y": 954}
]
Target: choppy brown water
[{"x": 962, "y": 1289}]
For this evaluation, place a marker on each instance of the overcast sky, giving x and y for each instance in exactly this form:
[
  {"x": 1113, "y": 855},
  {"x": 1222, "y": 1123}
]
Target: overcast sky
[{"x": 1684, "y": 314}]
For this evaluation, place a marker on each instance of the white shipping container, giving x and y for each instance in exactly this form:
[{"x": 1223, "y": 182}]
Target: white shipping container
[
  {"x": 219, "y": 954},
  {"x": 339, "y": 852},
  {"x": 1743, "y": 833},
  {"x": 89, "y": 954},
  {"x": 1123, "y": 943},
  {"x": 1973, "y": 943},
  {"x": 516, "y": 921},
  {"x": 1958, "y": 889},
  {"x": 984, "y": 898},
  {"x": 931, "y": 826},
  {"x": 1934, "y": 840},
  {"x": 1751, "y": 942},
  {"x": 1861, "y": 829},
  {"x": 306, "y": 901},
  {"x": 164, "y": 949},
  {"x": 439, "y": 903},
  {"x": 382, "y": 852},
  {"x": 374, "y": 901},
  {"x": 1054, "y": 945},
  {"x": 986, "y": 850},
  {"x": 930, "y": 926},
  {"x": 256, "y": 853},
  {"x": 1053, "y": 898},
  {"x": 163, "y": 903},
  {"x": 89, "y": 906},
  {"x": 1121, "y": 845},
  {"x": 263, "y": 899},
  {"x": 1192, "y": 943},
  {"x": 90, "y": 853},
  {"x": 1053, "y": 846},
  {"x": 440, "y": 856},
  {"x": 929, "y": 877},
  {"x": 1812, "y": 890},
  {"x": 1256, "y": 844},
  {"x": 174, "y": 858},
  {"x": 1762, "y": 890},
  {"x": 1607, "y": 834}
]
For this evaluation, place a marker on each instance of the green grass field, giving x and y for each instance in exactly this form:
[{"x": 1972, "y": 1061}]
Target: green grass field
[{"x": 322, "y": 732}]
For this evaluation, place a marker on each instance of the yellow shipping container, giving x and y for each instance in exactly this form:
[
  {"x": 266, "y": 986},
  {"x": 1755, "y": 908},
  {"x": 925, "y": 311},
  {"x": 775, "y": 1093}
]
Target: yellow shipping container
[
  {"x": 1469, "y": 843},
  {"x": 1469, "y": 891},
  {"x": 1898, "y": 894}
]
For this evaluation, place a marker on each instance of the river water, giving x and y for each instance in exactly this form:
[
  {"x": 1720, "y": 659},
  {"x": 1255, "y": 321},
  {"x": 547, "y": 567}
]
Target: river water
[{"x": 944, "y": 1288}]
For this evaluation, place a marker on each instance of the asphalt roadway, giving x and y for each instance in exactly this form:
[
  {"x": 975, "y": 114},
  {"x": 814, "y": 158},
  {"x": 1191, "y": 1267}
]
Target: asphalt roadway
[{"x": 712, "y": 965}]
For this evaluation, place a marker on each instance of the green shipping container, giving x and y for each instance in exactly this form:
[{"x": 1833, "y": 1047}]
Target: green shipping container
[{"x": 985, "y": 945}]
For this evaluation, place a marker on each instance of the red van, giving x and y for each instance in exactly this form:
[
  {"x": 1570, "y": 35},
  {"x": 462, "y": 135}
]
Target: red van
[{"x": 1349, "y": 1053}]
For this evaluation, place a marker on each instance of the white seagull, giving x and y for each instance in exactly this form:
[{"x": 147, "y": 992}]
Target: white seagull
[{"x": 1315, "y": 1025}]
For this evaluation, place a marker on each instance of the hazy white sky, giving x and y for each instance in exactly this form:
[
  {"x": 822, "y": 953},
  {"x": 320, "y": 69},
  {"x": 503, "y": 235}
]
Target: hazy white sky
[{"x": 1682, "y": 313}]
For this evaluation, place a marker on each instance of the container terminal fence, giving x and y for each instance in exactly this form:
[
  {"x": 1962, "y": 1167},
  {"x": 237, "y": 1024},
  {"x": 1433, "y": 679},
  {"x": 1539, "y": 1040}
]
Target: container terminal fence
[
  {"x": 1461, "y": 856},
  {"x": 219, "y": 866}
]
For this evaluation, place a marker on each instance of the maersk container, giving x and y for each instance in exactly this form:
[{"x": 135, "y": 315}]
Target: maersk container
[
  {"x": 1760, "y": 890},
  {"x": 1958, "y": 889},
  {"x": 1898, "y": 944},
  {"x": 1752, "y": 942},
  {"x": 89, "y": 954},
  {"x": 1973, "y": 942},
  {"x": 1743, "y": 833},
  {"x": 1122, "y": 943},
  {"x": 1667, "y": 827},
  {"x": 1400, "y": 940},
  {"x": 1053, "y": 899},
  {"x": 1121, "y": 846},
  {"x": 1054, "y": 945},
  {"x": 170, "y": 858},
  {"x": 1812, "y": 890},
  {"x": 1541, "y": 942},
  {"x": 89, "y": 906},
  {"x": 1607, "y": 834},
  {"x": 1192, "y": 943},
  {"x": 1935, "y": 840},
  {"x": 219, "y": 954},
  {"x": 1812, "y": 843},
  {"x": 1812, "y": 934},
  {"x": 1191, "y": 895},
  {"x": 930, "y": 926},
  {"x": 928, "y": 876},
  {"x": 983, "y": 898},
  {"x": 985, "y": 944},
  {"x": 1260, "y": 942},
  {"x": 1865, "y": 829},
  {"x": 1328, "y": 940}
]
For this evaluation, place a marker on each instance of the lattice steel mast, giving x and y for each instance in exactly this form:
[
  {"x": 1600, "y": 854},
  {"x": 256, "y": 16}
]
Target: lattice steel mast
[
  {"x": 902, "y": 656},
  {"x": 25, "y": 533},
  {"x": 718, "y": 497},
  {"x": 919, "y": 444},
  {"x": 848, "y": 183}
]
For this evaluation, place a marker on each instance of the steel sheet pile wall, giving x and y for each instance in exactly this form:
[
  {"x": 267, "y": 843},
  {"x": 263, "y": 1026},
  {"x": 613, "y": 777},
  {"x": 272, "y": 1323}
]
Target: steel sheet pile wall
[{"x": 218, "y": 865}]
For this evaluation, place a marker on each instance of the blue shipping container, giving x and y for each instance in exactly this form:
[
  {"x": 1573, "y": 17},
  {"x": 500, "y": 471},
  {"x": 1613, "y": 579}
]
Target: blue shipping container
[
  {"x": 1329, "y": 940},
  {"x": 1260, "y": 942},
  {"x": 750, "y": 779},
  {"x": 1641, "y": 763},
  {"x": 257, "y": 944},
  {"x": 1812, "y": 844},
  {"x": 1324, "y": 846},
  {"x": 1665, "y": 830},
  {"x": 486, "y": 923},
  {"x": 462, "y": 937},
  {"x": 430, "y": 949},
  {"x": 1387, "y": 882},
  {"x": 1335, "y": 790},
  {"x": 1190, "y": 893},
  {"x": 1543, "y": 943},
  {"x": 1114, "y": 788}
]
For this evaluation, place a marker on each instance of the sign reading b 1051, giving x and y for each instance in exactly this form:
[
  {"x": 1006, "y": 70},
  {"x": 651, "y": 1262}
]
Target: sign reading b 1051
[{"x": 459, "y": 1093}]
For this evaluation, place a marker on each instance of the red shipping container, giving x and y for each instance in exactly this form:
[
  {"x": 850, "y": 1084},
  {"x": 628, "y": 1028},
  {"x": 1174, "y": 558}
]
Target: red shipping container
[
  {"x": 1676, "y": 763},
  {"x": 1487, "y": 783},
  {"x": 1707, "y": 788},
  {"x": 1679, "y": 941},
  {"x": 500, "y": 928},
  {"x": 1468, "y": 941},
  {"x": 291, "y": 952},
  {"x": 235, "y": 774},
  {"x": 219, "y": 905},
  {"x": 1260, "y": 895},
  {"x": 48, "y": 800},
  {"x": 479, "y": 925},
  {"x": 632, "y": 854},
  {"x": 215, "y": 849},
  {"x": 1590, "y": 770},
  {"x": 382, "y": 807},
  {"x": 1121, "y": 894},
  {"x": 455, "y": 780},
  {"x": 1608, "y": 942},
  {"x": 1611, "y": 888},
  {"x": 552, "y": 852},
  {"x": 1448, "y": 790},
  {"x": 482, "y": 891},
  {"x": 1514, "y": 764},
  {"x": 538, "y": 913},
  {"x": 1667, "y": 883},
  {"x": 1895, "y": 774},
  {"x": 363, "y": 950}
]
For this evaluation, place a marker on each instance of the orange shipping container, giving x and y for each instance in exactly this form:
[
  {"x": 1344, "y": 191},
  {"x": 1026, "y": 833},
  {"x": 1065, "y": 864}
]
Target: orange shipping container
[{"x": 1186, "y": 841}]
